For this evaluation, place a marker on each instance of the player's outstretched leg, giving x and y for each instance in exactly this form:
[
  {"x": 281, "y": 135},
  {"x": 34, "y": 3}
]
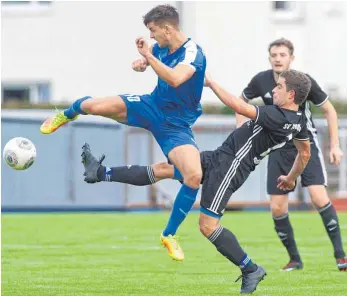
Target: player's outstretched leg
[
  {"x": 284, "y": 230},
  {"x": 227, "y": 244},
  {"x": 111, "y": 107},
  {"x": 131, "y": 174}
]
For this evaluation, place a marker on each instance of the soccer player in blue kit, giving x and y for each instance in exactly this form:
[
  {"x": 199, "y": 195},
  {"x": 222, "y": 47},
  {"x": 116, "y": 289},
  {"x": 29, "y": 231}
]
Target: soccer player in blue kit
[{"x": 168, "y": 112}]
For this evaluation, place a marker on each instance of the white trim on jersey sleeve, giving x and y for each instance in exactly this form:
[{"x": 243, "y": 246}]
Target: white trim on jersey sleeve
[
  {"x": 320, "y": 104},
  {"x": 243, "y": 94},
  {"x": 301, "y": 139},
  {"x": 190, "y": 55},
  {"x": 186, "y": 64},
  {"x": 257, "y": 108}
]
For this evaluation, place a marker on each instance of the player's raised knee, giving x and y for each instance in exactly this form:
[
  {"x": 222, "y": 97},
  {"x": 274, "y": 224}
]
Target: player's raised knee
[{"x": 193, "y": 179}]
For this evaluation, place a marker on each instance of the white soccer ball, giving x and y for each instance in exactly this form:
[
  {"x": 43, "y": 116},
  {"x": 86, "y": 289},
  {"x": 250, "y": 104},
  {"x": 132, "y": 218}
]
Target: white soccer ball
[{"x": 19, "y": 153}]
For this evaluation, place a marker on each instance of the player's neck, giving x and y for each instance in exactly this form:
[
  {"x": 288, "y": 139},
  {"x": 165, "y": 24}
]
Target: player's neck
[
  {"x": 177, "y": 41},
  {"x": 292, "y": 107},
  {"x": 276, "y": 76}
]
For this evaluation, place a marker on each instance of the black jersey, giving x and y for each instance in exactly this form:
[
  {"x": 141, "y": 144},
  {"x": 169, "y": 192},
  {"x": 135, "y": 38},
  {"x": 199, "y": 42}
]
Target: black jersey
[
  {"x": 272, "y": 129},
  {"x": 262, "y": 85}
]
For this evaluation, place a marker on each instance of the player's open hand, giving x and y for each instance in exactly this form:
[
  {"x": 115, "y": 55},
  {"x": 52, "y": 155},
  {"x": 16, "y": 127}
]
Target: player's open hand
[
  {"x": 285, "y": 183},
  {"x": 139, "y": 65},
  {"x": 335, "y": 155},
  {"x": 142, "y": 46},
  {"x": 208, "y": 79}
]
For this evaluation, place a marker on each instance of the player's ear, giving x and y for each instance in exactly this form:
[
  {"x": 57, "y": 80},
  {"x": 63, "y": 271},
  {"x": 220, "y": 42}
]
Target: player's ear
[
  {"x": 292, "y": 58},
  {"x": 292, "y": 95},
  {"x": 167, "y": 28}
]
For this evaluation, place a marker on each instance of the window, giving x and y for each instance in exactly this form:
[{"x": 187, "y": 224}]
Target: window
[
  {"x": 25, "y": 3},
  {"x": 280, "y": 5},
  {"x": 39, "y": 92},
  {"x": 287, "y": 11},
  {"x": 21, "y": 94},
  {"x": 24, "y": 7}
]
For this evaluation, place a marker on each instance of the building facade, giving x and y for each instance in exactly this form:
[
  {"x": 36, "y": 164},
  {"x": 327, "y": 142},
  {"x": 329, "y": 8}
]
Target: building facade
[{"x": 59, "y": 51}]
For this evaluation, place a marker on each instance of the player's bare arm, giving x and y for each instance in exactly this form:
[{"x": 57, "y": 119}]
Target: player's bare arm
[
  {"x": 240, "y": 119},
  {"x": 234, "y": 102},
  {"x": 173, "y": 76},
  {"x": 301, "y": 160},
  {"x": 331, "y": 116}
]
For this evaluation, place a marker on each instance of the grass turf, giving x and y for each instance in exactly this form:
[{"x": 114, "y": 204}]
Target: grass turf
[{"x": 119, "y": 254}]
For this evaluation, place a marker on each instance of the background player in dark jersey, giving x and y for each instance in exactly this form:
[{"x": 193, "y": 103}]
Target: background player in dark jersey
[
  {"x": 314, "y": 176},
  {"x": 168, "y": 112},
  {"x": 227, "y": 168}
]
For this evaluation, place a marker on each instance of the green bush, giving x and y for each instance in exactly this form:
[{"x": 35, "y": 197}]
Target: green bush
[
  {"x": 15, "y": 104},
  {"x": 340, "y": 106}
]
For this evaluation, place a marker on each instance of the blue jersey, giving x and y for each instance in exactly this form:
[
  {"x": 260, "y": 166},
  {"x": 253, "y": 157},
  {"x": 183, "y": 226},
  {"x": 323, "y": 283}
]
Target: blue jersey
[{"x": 181, "y": 106}]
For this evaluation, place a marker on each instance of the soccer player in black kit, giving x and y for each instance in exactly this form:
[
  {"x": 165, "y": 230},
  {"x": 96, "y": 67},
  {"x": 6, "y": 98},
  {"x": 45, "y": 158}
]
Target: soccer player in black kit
[
  {"x": 314, "y": 177},
  {"x": 227, "y": 168}
]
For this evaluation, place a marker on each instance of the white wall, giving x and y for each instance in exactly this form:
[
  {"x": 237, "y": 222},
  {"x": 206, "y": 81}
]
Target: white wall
[
  {"x": 235, "y": 36},
  {"x": 86, "y": 48}
]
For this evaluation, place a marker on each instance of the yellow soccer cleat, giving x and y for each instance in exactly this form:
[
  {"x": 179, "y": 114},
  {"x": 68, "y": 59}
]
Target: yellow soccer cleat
[
  {"x": 171, "y": 243},
  {"x": 53, "y": 123}
]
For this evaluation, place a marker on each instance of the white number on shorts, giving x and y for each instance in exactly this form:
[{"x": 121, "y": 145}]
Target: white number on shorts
[{"x": 133, "y": 98}]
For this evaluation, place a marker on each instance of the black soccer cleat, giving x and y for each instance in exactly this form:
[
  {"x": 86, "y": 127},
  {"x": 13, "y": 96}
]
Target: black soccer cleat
[
  {"x": 293, "y": 265},
  {"x": 251, "y": 280},
  {"x": 91, "y": 164},
  {"x": 341, "y": 264}
]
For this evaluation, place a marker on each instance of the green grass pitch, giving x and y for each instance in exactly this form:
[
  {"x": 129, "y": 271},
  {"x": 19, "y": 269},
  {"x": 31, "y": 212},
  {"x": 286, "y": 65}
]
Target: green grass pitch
[{"x": 120, "y": 254}]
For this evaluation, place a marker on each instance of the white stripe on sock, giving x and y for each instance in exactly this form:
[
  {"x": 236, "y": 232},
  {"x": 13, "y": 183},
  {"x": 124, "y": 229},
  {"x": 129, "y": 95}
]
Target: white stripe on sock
[{"x": 215, "y": 234}]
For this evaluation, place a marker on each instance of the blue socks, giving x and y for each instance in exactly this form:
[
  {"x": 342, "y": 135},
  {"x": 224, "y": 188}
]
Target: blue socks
[
  {"x": 75, "y": 108},
  {"x": 177, "y": 175},
  {"x": 182, "y": 205}
]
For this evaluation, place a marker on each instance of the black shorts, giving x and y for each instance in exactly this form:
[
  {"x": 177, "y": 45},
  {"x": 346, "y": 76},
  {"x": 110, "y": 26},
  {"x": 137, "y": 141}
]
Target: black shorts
[
  {"x": 280, "y": 163},
  {"x": 222, "y": 176}
]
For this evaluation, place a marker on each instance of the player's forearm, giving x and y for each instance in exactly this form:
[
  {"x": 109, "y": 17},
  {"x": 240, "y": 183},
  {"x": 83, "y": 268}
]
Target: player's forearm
[
  {"x": 299, "y": 165},
  {"x": 164, "y": 72},
  {"x": 145, "y": 60},
  {"x": 332, "y": 120},
  {"x": 228, "y": 99},
  {"x": 240, "y": 119}
]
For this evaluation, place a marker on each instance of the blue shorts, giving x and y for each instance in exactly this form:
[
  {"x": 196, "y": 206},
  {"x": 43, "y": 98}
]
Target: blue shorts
[{"x": 142, "y": 111}]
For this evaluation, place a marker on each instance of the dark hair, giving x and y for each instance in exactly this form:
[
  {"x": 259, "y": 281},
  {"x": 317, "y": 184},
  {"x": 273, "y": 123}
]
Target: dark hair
[
  {"x": 161, "y": 14},
  {"x": 282, "y": 42},
  {"x": 299, "y": 82}
]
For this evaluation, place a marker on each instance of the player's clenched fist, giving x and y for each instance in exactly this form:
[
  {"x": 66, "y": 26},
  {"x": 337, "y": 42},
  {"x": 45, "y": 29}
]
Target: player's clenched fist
[
  {"x": 139, "y": 65},
  {"x": 142, "y": 46}
]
